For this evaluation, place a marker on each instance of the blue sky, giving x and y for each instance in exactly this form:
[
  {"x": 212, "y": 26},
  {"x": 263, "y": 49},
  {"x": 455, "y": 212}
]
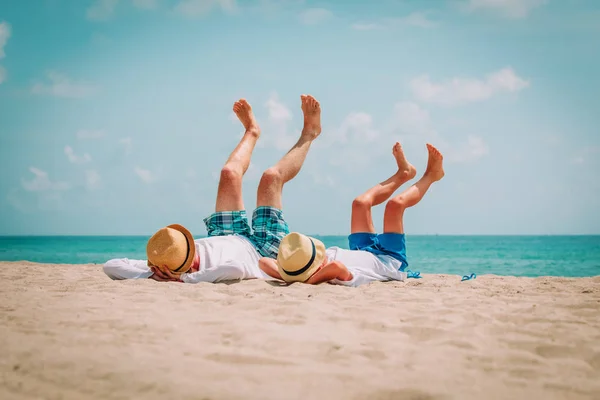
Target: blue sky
[{"x": 115, "y": 115}]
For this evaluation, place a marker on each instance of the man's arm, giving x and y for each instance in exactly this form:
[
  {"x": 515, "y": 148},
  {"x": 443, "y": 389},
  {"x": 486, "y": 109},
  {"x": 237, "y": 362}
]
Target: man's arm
[
  {"x": 333, "y": 270},
  {"x": 124, "y": 268},
  {"x": 269, "y": 267}
]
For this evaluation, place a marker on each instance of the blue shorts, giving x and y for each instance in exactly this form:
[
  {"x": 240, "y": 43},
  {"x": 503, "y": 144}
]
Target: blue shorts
[{"x": 388, "y": 244}]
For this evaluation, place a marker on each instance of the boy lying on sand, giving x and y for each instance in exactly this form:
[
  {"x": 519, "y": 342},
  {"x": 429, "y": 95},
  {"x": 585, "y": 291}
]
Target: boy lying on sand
[
  {"x": 233, "y": 249},
  {"x": 372, "y": 256}
]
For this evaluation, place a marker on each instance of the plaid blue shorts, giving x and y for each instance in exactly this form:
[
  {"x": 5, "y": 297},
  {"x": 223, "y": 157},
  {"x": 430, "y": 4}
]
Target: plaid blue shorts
[{"x": 268, "y": 227}]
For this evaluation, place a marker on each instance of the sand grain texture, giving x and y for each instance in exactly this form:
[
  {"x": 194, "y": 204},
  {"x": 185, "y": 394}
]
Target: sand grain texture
[{"x": 69, "y": 332}]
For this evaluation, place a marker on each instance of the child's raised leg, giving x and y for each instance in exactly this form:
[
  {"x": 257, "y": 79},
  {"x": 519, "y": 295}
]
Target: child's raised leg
[
  {"x": 394, "y": 209},
  {"x": 362, "y": 220}
]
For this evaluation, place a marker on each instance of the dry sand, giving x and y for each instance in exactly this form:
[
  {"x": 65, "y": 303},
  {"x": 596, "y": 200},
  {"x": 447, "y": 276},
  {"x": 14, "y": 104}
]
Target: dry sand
[{"x": 69, "y": 332}]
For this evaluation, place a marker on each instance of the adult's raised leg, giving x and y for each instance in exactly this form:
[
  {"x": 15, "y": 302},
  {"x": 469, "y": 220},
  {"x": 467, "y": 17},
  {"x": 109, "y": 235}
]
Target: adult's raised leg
[
  {"x": 229, "y": 193},
  {"x": 271, "y": 183}
]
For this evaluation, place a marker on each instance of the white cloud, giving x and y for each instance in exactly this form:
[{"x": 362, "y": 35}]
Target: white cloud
[
  {"x": 463, "y": 90},
  {"x": 474, "y": 149},
  {"x": 413, "y": 123},
  {"x": 508, "y": 8},
  {"x": 92, "y": 179},
  {"x": 5, "y": 32},
  {"x": 410, "y": 118},
  {"x": 90, "y": 134},
  {"x": 278, "y": 118},
  {"x": 146, "y": 4},
  {"x": 144, "y": 174},
  {"x": 42, "y": 183},
  {"x": 416, "y": 19},
  {"x": 351, "y": 158},
  {"x": 352, "y": 140},
  {"x": 313, "y": 16},
  {"x": 586, "y": 155},
  {"x": 127, "y": 144},
  {"x": 74, "y": 158},
  {"x": 62, "y": 86},
  {"x": 273, "y": 7},
  {"x": 277, "y": 111},
  {"x": 357, "y": 127},
  {"x": 370, "y": 26},
  {"x": 199, "y": 8},
  {"x": 101, "y": 10}
]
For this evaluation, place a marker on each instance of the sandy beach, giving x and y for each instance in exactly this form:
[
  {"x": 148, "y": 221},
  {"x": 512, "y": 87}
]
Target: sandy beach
[{"x": 69, "y": 332}]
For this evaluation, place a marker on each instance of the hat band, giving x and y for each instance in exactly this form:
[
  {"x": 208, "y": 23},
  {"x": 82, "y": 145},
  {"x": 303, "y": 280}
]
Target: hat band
[
  {"x": 307, "y": 266},
  {"x": 187, "y": 254}
]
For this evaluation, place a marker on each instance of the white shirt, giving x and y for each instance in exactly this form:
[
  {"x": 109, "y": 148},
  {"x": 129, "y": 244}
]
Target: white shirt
[
  {"x": 365, "y": 267},
  {"x": 222, "y": 258}
]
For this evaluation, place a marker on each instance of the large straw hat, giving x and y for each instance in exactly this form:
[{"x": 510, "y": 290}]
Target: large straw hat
[
  {"x": 299, "y": 257},
  {"x": 171, "y": 247}
]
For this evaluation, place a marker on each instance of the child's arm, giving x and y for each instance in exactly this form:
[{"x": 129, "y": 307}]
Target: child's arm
[
  {"x": 333, "y": 270},
  {"x": 269, "y": 267}
]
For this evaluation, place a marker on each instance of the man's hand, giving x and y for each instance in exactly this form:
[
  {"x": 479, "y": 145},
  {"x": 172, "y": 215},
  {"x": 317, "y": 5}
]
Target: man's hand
[{"x": 163, "y": 276}]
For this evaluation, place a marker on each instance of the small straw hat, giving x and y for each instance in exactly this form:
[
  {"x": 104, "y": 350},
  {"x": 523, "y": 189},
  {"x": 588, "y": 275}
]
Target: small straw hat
[
  {"x": 171, "y": 247},
  {"x": 299, "y": 257}
]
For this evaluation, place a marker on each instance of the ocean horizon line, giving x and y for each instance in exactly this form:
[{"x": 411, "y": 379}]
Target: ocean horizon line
[{"x": 321, "y": 235}]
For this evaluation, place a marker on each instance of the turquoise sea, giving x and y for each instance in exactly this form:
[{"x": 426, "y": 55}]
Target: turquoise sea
[{"x": 502, "y": 255}]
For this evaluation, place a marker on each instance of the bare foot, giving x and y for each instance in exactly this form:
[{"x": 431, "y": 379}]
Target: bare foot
[
  {"x": 406, "y": 169},
  {"x": 312, "y": 116},
  {"x": 434, "y": 170},
  {"x": 243, "y": 110}
]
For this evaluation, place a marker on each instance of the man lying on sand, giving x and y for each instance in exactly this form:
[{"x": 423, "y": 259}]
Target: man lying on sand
[
  {"x": 233, "y": 249},
  {"x": 372, "y": 256}
]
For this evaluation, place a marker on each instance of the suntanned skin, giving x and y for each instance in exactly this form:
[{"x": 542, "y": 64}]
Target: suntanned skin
[
  {"x": 362, "y": 220},
  {"x": 270, "y": 188},
  {"x": 325, "y": 273}
]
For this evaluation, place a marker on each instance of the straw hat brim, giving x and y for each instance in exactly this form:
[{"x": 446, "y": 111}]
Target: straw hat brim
[
  {"x": 191, "y": 249},
  {"x": 304, "y": 276}
]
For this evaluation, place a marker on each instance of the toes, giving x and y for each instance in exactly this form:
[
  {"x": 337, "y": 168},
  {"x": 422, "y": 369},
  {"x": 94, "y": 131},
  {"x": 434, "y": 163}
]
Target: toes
[
  {"x": 304, "y": 101},
  {"x": 309, "y": 103},
  {"x": 434, "y": 152},
  {"x": 241, "y": 106},
  {"x": 312, "y": 102}
]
